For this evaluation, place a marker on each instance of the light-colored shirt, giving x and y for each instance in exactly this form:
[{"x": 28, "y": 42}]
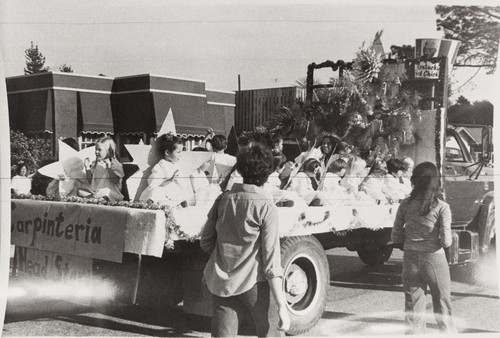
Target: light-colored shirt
[
  {"x": 427, "y": 233},
  {"x": 21, "y": 184},
  {"x": 242, "y": 237},
  {"x": 224, "y": 164}
]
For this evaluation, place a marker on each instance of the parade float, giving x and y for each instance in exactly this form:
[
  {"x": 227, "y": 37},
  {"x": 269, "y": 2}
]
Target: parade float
[{"x": 150, "y": 253}]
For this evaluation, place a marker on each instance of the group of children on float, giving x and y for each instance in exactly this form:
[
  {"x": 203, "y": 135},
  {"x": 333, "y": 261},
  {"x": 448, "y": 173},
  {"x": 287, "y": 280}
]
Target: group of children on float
[
  {"x": 332, "y": 175},
  {"x": 327, "y": 175}
]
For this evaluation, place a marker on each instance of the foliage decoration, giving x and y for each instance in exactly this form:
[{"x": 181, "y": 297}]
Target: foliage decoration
[{"x": 365, "y": 107}]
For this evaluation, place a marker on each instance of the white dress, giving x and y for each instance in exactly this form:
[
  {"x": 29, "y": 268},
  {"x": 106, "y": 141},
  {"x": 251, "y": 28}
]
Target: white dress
[
  {"x": 172, "y": 194},
  {"x": 224, "y": 163},
  {"x": 21, "y": 184},
  {"x": 205, "y": 192},
  {"x": 394, "y": 190},
  {"x": 302, "y": 185}
]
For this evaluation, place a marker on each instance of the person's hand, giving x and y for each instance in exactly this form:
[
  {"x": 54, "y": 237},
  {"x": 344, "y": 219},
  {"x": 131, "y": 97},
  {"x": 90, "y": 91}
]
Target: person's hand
[
  {"x": 283, "y": 319},
  {"x": 174, "y": 177},
  {"x": 210, "y": 131},
  {"x": 61, "y": 177},
  {"x": 107, "y": 161},
  {"x": 87, "y": 163}
]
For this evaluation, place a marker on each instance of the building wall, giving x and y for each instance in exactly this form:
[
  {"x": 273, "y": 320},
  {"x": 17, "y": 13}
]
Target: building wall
[{"x": 255, "y": 107}]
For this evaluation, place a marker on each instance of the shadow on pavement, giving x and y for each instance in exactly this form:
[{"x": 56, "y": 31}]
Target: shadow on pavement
[{"x": 346, "y": 269}]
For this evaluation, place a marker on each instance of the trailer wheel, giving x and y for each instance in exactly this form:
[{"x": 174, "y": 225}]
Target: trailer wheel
[
  {"x": 375, "y": 257},
  {"x": 305, "y": 282}
]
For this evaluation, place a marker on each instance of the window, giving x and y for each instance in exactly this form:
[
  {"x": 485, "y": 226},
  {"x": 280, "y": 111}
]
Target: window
[
  {"x": 89, "y": 139},
  {"x": 453, "y": 151}
]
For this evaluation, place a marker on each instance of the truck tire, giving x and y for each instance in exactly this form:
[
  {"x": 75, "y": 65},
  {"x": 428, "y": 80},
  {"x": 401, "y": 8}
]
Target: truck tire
[
  {"x": 305, "y": 282},
  {"x": 375, "y": 257}
]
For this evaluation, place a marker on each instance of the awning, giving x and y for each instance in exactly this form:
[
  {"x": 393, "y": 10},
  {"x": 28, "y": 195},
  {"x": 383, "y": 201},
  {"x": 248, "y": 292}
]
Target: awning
[
  {"x": 94, "y": 113},
  {"x": 31, "y": 112}
]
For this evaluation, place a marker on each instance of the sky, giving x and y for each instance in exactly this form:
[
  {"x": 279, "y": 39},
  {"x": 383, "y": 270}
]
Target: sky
[{"x": 267, "y": 43}]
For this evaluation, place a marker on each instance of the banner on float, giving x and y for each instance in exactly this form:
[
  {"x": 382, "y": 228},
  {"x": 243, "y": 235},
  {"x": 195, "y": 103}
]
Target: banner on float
[
  {"x": 431, "y": 48},
  {"x": 51, "y": 266},
  {"x": 91, "y": 231},
  {"x": 56, "y": 275}
]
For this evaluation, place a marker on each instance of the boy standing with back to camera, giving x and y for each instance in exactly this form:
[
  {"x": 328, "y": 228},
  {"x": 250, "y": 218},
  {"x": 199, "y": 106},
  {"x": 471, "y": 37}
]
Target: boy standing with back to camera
[{"x": 242, "y": 237}]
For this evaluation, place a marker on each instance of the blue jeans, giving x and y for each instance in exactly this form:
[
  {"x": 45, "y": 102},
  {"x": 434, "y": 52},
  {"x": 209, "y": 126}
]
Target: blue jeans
[
  {"x": 421, "y": 269},
  {"x": 258, "y": 301}
]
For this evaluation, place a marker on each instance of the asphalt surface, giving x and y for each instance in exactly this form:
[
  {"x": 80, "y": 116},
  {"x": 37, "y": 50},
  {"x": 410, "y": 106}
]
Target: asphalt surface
[{"x": 361, "y": 300}]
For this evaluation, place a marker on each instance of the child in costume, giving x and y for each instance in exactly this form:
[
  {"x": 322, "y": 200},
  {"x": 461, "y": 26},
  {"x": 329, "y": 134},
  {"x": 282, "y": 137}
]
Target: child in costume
[
  {"x": 71, "y": 182},
  {"x": 373, "y": 184},
  {"x": 205, "y": 192},
  {"x": 163, "y": 185},
  {"x": 305, "y": 182},
  {"x": 394, "y": 188},
  {"x": 106, "y": 173},
  {"x": 409, "y": 164}
]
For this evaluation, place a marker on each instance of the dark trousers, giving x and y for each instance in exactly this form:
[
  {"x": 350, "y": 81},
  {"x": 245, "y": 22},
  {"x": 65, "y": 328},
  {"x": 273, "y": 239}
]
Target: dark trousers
[
  {"x": 420, "y": 270},
  {"x": 229, "y": 311}
]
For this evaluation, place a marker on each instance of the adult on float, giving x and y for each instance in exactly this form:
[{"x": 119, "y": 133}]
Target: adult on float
[
  {"x": 330, "y": 148},
  {"x": 423, "y": 228}
]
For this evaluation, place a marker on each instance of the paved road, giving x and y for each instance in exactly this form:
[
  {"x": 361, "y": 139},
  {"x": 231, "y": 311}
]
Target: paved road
[{"x": 361, "y": 301}]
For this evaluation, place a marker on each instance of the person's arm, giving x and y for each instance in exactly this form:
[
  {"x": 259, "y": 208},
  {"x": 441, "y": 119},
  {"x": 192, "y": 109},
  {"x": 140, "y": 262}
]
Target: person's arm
[
  {"x": 271, "y": 262},
  {"x": 397, "y": 234},
  {"x": 115, "y": 168},
  {"x": 88, "y": 169},
  {"x": 208, "y": 136},
  {"x": 445, "y": 237},
  {"x": 209, "y": 235}
]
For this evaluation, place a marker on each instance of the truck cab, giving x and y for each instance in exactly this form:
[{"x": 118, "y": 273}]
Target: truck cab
[{"x": 468, "y": 188}]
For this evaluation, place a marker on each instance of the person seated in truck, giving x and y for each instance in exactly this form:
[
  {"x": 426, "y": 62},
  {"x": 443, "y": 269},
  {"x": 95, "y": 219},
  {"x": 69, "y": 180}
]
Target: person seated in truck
[
  {"x": 409, "y": 165},
  {"x": 354, "y": 174},
  {"x": 106, "y": 173},
  {"x": 394, "y": 188},
  {"x": 373, "y": 184},
  {"x": 224, "y": 162},
  {"x": 330, "y": 148},
  {"x": 334, "y": 174},
  {"x": 278, "y": 165},
  {"x": 21, "y": 183},
  {"x": 241, "y": 235},
  {"x": 163, "y": 183},
  {"x": 69, "y": 183},
  {"x": 305, "y": 182},
  {"x": 204, "y": 192},
  {"x": 286, "y": 198},
  {"x": 330, "y": 192}
]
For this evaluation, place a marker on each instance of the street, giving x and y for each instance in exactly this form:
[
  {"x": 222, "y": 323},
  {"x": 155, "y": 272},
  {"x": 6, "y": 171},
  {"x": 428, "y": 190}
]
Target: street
[{"x": 361, "y": 301}]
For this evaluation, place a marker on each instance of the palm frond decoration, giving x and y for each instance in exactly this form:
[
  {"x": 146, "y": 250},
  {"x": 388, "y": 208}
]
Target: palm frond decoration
[
  {"x": 367, "y": 64},
  {"x": 288, "y": 122}
]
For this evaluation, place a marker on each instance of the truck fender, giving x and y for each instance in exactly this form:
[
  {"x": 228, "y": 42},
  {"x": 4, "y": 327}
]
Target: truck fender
[{"x": 484, "y": 221}]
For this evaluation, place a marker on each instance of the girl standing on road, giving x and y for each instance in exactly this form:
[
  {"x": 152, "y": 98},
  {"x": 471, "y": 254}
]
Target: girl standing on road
[{"x": 423, "y": 226}]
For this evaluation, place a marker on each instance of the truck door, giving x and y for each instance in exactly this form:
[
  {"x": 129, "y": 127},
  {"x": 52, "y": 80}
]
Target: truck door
[{"x": 462, "y": 193}]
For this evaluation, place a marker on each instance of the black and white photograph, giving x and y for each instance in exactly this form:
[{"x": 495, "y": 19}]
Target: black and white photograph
[{"x": 248, "y": 168}]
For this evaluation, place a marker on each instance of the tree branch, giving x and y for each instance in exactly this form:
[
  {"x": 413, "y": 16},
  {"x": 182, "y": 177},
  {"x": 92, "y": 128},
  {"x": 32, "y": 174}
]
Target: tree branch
[
  {"x": 488, "y": 13},
  {"x": 473, "y": 66}
]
